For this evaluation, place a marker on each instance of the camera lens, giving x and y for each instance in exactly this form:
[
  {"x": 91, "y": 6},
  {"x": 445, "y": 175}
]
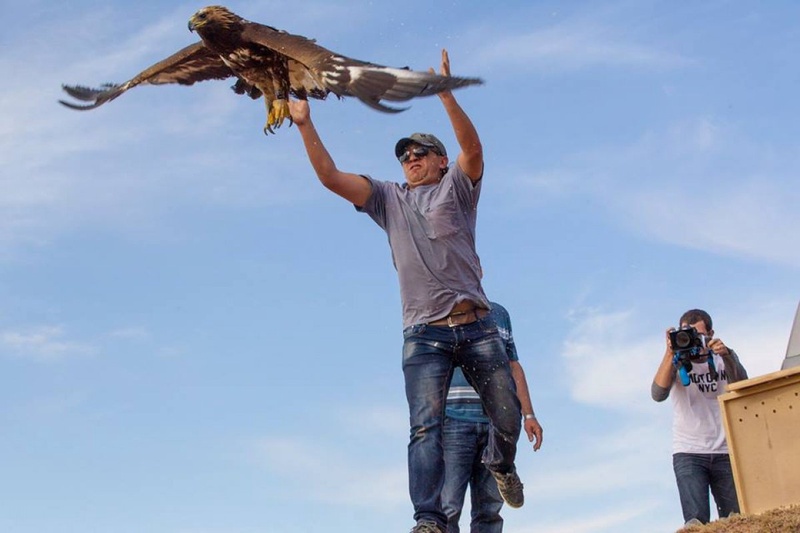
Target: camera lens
[{"x": 682, "y": 340}]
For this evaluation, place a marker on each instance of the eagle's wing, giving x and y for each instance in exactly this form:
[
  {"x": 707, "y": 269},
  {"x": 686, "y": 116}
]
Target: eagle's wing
[
  {"x": 186, "y": 66},
  {"x": 325, "y": 70}
]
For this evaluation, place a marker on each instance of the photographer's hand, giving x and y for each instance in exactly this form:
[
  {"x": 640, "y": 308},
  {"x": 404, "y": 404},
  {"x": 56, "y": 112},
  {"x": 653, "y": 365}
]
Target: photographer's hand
[
  {"x": 718, "y": 347},
  {"x": 668, "y": 343},
  {"x": 733, "y": 367},
  {"x": 665, "y": 375}
]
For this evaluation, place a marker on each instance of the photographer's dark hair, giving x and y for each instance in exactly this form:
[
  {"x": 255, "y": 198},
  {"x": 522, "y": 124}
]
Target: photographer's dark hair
[{"x": 696, "y": 315}]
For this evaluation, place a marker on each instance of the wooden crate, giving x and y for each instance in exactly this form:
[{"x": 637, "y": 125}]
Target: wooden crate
[{"x": 762, "y": 424}]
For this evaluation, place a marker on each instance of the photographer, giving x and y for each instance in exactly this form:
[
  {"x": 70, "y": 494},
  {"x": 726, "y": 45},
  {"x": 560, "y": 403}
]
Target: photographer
[{"x": 700, "y": 453}]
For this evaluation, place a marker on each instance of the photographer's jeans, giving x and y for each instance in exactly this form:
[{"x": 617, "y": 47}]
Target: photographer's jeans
[
  {"x": 429, "y": 355},
  {"x": 695, "y": 474},
  {"x": 464, "y": 443}
]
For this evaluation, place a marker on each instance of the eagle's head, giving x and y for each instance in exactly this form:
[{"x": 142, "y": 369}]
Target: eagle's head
[{"x": 212, "y": 18}]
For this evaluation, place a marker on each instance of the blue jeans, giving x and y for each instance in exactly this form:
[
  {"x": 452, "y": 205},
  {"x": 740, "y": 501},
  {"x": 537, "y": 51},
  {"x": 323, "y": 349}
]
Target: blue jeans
[
  {"x": 429, "y": 356},
  {"x": 464, "y": 443},
  {"x": 695, "y": 474}
]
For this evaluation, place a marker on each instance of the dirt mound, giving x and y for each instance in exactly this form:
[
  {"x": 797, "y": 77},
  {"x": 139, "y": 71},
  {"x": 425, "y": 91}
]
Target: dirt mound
[{"x": 781, "y": 520}]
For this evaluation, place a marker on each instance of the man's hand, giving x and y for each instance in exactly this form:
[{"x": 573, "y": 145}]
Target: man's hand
[
  {"x": 718, "y": 347},
  {"x": 300, "y": 111},
  {"x": 669, "y": 344},
  {"x": 444, "y": 70},
  {"x": 534, "y": 430}
]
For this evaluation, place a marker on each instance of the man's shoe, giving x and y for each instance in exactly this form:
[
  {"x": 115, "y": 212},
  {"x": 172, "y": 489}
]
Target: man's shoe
[
  {"x": 427, "y": 527},
  {"x": 510, "y": 488}
]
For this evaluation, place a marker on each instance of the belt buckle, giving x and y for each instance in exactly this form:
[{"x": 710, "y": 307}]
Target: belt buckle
[{"x": 450, "y": 322}]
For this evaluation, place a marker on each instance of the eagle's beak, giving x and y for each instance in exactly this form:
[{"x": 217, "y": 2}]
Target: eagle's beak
[{"x": 191, "y": 24}]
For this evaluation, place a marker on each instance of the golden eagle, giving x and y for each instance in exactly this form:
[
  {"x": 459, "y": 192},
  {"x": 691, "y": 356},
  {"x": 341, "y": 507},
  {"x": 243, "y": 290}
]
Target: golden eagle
[{"x": 273, "y": 63}]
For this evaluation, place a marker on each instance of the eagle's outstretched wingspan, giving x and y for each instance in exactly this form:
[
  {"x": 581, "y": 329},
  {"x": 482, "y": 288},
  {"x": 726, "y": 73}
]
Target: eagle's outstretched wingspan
[
  {"x": 186, "y": 66},
  {"x": 274, "y": 64}
]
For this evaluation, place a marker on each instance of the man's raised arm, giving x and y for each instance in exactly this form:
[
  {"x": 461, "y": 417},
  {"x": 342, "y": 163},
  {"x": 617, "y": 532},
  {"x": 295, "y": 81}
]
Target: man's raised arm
[
  {"x": 352, "y": 187},
  {"x": 470, "y": 159}
]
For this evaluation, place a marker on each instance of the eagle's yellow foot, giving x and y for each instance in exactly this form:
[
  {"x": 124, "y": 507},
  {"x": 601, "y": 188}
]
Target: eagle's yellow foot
[{"x": 277, "y": 114}]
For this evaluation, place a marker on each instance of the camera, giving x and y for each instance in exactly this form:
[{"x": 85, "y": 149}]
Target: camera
[
  {"x": 688, "y": 340},
  {"x": 689, "y": 345}
]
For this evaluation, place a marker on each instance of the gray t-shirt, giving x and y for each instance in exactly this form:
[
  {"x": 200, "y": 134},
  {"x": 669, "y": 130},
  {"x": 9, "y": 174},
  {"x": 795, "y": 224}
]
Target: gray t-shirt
[{"x": 431, "y": 231}]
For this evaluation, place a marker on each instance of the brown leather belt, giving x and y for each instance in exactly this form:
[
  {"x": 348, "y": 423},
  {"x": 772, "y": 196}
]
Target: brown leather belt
[{"x": 460, "y": 318}]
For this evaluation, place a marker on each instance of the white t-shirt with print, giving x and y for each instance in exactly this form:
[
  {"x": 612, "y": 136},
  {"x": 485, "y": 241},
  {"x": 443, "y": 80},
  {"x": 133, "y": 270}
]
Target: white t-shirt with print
[{"x": 697, "y": 420}]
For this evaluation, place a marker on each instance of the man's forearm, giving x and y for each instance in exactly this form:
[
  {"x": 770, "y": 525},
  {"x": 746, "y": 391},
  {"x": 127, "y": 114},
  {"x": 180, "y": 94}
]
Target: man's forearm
[
  {"x": 522, "y": 388},
  {"x": 463, "y": 128},
  {"x": 665, "y": 376},
  {"x": 734, "y": 369},
  {"x": 318, "y": 155}
]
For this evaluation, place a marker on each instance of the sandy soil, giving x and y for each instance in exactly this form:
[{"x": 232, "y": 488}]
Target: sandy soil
[{"x": 782, "y": 520}]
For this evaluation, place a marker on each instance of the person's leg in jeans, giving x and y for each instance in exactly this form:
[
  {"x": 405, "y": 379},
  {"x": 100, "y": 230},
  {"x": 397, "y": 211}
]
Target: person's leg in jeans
[
  {"x": 461, "y": 447},
  {"x": 427, "y": 368},
  {"x": 693, "y": 479},
  {"x": 722, "y": 485},
  {"x": 485, "y": 364},
  {"x": 485, "y": 497}
]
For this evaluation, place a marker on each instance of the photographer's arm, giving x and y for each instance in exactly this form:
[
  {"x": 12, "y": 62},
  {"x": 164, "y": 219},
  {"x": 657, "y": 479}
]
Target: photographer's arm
[
  {"x": 665, "y": 375},
  {"x": 733, "y": 367}
]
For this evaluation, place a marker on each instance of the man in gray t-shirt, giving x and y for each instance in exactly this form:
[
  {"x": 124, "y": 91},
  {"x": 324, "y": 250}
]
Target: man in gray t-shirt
[{"x": 430, "y": 223}]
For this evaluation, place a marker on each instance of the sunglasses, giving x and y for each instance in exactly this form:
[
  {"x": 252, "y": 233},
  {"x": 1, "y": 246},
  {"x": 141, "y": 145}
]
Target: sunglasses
[{"x": 419, "y": 152}]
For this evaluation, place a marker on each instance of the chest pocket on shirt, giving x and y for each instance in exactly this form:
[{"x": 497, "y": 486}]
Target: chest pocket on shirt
[{"x": 441, "y": 216}]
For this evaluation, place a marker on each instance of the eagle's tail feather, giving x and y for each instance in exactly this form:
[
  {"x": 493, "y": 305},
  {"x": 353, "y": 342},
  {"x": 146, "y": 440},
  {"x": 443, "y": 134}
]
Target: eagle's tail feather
[
  {"x": 371, "y": 84},
  {"x": 375, "y": 103}
]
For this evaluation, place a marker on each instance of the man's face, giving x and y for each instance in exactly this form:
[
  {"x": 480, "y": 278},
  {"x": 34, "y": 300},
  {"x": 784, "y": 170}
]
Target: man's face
[{"x": 422, "y": 166}]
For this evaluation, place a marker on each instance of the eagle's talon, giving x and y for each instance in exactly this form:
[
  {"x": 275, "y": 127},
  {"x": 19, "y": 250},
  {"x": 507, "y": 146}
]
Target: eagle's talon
[{"x": 278, "y": 112}]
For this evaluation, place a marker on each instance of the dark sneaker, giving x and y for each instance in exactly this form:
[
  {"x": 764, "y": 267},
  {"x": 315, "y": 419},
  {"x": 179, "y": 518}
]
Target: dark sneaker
[
  {"x": 427, "y": 527},
  {"x": 510, "y": 488}
]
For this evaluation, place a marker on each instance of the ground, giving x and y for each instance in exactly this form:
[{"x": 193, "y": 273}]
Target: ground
[{"x": 781, "y": 520}]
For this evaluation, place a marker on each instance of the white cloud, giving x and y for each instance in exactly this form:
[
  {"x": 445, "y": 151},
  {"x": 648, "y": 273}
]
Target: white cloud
[
  {"x": 338, "y": 478},
  {"x": 607, "y": 364},
  {"x": 751, "y": 217},
  {"x": 760, "y": 337},
  {"x": 696, "y": 183},
  {"x": 43, "y": 343},
  {"x": 628, "y": 455},
  {"x": 130, "y": 333},
  {"x": 621, "y": 456},
  {"x": 572, "y": 41},
  {"x": 572, "y": 47}
]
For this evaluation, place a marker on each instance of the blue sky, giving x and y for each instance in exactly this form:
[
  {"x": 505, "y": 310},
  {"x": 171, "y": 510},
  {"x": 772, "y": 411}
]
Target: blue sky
[{"x": 196, "y": 337}]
